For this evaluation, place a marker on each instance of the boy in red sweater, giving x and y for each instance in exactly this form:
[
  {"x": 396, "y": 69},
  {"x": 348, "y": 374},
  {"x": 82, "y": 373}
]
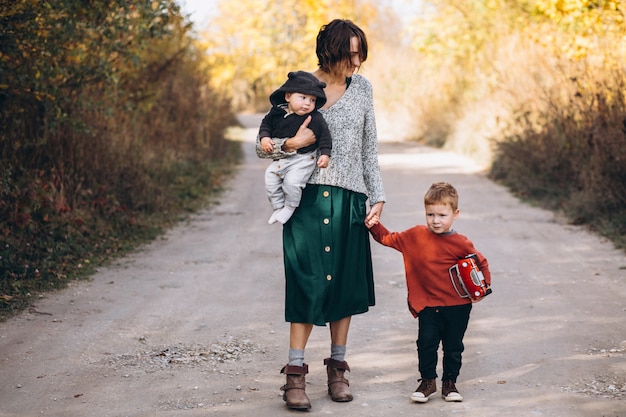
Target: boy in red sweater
[{"x": 429, "y": 251}]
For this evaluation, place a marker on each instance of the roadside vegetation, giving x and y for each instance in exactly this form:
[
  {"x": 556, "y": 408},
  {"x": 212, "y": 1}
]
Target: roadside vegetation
[
  {"x": 113, "y": 114},
  {"x": 109, "y": 132},
  {"x": 534, "y": 90}
]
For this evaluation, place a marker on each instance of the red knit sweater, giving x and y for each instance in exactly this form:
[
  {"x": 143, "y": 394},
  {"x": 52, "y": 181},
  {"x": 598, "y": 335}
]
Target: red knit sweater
[{"x": 427, "y": 259}]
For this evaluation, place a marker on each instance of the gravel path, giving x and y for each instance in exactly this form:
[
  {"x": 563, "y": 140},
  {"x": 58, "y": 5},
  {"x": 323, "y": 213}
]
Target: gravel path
[{"x": 192, "y": 324}]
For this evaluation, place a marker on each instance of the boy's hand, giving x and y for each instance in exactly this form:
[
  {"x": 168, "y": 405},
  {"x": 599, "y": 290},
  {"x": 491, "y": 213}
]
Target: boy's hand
[
  {"x": 372, "y": 221},
  {"x": 323, "y": 161},
  {"x": 267, "y": 145}
]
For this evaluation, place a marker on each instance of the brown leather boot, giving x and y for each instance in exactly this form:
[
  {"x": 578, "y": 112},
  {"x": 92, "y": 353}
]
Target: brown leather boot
[
  {"x": 294, "y": 390},
  {"x": 338, "y": 386}
]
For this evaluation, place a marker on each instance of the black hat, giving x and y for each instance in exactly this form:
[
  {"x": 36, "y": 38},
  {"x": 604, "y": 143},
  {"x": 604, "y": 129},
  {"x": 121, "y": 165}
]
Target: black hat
[{"x": 300, "y": 82}]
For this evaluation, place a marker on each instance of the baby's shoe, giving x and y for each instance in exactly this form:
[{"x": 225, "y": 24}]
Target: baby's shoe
[
  {"x": 285, "y": 214},
  {"x": 273, "y": 218}
]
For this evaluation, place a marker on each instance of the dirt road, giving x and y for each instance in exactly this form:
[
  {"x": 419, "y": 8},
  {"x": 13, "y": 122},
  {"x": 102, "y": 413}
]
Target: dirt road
[{"x": 192, "y": 325}]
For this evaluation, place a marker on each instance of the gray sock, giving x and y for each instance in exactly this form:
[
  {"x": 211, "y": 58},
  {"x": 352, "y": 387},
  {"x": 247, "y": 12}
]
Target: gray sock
[
  {"x": 338, "y": 352},
  {"x": 296, "y": 357}
]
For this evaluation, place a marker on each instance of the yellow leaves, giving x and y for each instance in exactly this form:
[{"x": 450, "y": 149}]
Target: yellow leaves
[
  {"x": 12, "y": 8},
  {"x": 572, "y": 28},
  {"x": 252, "y": 44},
  {"x": 456, "y": 32},
  {"x": 567, "y": 7},
  {"x": 583, "y": 26},
  {"x": 582, "y": 16}
]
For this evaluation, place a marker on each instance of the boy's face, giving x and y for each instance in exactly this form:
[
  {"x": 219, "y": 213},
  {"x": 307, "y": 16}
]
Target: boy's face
[
  {"x": 301, "y": 104},
  {"x": 439, "y": 217}
]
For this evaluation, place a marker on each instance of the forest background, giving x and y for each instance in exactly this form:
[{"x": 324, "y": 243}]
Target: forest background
[{"x": 114, "y": 115}]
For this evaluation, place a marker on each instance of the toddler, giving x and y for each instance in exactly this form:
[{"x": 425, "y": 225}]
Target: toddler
[{"x": 443, "y": 315}]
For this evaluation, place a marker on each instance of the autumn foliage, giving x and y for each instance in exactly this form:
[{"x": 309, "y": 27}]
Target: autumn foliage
[
  {"x": 112, "y": 113},
  {"x": 534, "y": 89},
  {"x": 531, "y": 89},
  {"x": 106, "y": 121},
  {"x": 252, "y": 45}
]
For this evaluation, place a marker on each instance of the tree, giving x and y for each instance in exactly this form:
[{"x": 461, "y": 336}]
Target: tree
[{"x": 253, "y": 44}]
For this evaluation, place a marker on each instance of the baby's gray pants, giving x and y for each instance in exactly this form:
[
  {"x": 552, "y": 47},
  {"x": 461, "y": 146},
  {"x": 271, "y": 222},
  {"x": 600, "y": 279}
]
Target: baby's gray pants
[{"x": 285, "y": 178}]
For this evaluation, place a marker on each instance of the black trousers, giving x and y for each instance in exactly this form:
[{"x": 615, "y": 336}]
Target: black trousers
[{"x": 446, "y": 325}]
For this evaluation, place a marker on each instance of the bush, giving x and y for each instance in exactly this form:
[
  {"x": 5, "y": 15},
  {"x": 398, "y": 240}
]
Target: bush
[
  {"x": 108, "y": 132},
  {"x": 572, "y": 157}
]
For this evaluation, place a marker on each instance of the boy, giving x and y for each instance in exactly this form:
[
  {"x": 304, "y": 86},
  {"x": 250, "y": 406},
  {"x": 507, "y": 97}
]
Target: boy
[
  {"x": 429, "y": 251},
  {"x": 301, "y": 95}
]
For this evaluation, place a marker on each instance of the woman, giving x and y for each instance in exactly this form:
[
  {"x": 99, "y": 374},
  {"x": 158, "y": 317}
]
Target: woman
[{"x": 326, "y": 245}]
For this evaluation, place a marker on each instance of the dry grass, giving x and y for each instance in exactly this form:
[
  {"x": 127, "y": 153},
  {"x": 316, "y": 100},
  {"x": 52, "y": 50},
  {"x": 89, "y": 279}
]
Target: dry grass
[
  {"x": 551, "y": 128},
  {"x": 91, "y": 176}
]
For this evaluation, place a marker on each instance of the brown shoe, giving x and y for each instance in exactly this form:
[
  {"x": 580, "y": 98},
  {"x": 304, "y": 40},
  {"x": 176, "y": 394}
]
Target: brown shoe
[
  {"x": 450, "y": 393},
  {"x": 338, "y": 386},
  {"x": 294, "y": 390},
  {"x": 426, "y": 389}
]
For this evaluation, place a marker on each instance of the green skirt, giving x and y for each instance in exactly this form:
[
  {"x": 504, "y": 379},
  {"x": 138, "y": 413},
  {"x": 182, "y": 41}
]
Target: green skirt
[{"x": 327, "y": 256}]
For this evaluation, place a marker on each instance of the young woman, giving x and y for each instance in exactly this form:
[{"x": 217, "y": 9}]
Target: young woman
[{"x": 327, "y": 257}]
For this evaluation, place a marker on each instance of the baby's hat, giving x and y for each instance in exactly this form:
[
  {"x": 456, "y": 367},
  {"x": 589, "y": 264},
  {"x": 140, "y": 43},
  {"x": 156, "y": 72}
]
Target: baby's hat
[{"x": 300, "y": 82}]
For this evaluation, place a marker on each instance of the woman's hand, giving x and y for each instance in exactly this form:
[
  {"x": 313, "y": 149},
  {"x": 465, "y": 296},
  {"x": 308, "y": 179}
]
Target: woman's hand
[
  {"x": 304, "y": 137},
  {"x": 375, "y": 211}
]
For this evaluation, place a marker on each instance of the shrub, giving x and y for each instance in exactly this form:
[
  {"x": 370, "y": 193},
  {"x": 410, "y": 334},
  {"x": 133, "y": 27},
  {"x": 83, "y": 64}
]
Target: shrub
[
  {"x": 108, "y": 131},
  {"x": 572, "y": 156}
]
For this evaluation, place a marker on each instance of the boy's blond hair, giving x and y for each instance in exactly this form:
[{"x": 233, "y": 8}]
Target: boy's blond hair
[{"x": 442, "y": 193}]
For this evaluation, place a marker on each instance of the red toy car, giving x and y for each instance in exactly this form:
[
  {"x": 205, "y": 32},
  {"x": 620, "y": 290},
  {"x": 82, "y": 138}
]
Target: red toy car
[{"x": 468, "y": 280}]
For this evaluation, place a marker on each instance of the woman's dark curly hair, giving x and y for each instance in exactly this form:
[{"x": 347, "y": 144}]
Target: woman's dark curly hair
[{"x": 333, "y": 45}]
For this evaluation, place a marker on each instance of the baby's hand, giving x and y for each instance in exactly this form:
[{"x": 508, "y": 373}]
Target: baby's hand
[
  {"x": 372, "y": 222},
  {"x": 323, "y": 161},
  {"x": 267, "y": 145}
]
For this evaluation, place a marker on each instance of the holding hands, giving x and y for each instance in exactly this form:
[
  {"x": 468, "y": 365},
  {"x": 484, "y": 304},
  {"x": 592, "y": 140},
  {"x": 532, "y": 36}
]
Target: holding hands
[
  {"x": 373, "y": 217},
  {"x": 372, "y": 221}
]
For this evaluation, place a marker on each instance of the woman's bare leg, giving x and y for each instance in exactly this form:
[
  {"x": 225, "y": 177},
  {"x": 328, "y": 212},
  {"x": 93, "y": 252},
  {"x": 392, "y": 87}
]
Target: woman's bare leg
[
  {"x": 299, "y": 335},
  {"x": 339, "y": 331}
]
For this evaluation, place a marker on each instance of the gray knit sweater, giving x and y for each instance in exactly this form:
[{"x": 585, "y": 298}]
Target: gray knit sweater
[{"x": 354, "y": 158}]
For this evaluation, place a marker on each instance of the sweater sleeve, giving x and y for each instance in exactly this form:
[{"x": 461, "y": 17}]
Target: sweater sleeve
[
  {"x": 385, "y": 237},
  {"x": 278, "y": 152},
  {"x": 371, "y": 168},
  {"x": 266, "y": 130},
  {"x": 468, "y": 246},
  {"x": 484, "y": 267}
]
